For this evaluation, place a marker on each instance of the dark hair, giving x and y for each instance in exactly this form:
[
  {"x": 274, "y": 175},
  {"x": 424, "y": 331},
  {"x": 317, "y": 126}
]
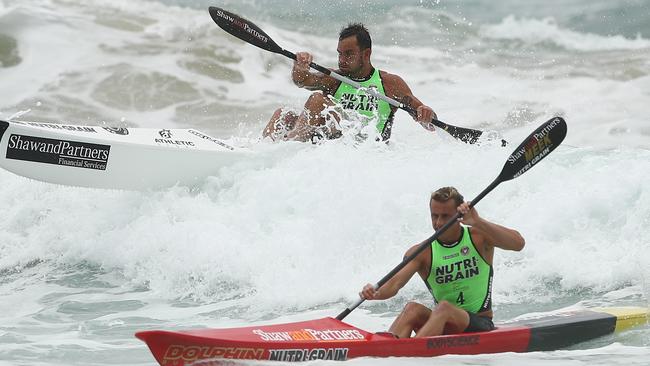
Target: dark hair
[
  {"x": 359, "y": 30},
  {"x": 444, "y": 194}
]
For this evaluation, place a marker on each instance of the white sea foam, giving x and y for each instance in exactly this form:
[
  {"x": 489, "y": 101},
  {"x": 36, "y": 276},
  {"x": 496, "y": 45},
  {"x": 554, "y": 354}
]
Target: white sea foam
[
  {"x": 257, "y": 225},
  {"x": 534, "y": 31}
]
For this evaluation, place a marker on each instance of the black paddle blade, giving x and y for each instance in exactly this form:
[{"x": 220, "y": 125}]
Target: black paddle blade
[
  {"x": 466, "y": 135},
  {"x": 535, "y": 147},
  {"x": 243, "y": 29}
]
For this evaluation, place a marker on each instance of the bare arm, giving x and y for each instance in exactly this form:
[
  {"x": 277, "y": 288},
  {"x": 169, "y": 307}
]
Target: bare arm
[
  {"x": 397, "y": 89},
  {"x": 496, "y": 235},
  {"x": 304, "y": 78},
  {"x": 401, "y": 278}
]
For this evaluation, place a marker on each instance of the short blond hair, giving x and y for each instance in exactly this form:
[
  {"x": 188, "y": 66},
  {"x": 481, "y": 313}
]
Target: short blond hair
[{"x": 445, "y": 194}]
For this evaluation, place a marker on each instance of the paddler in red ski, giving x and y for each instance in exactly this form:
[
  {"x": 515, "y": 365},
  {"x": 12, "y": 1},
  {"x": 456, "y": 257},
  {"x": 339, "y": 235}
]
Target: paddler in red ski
[
  {"x": 457, "y": 269},
  {"x": 333, "y": 99}
]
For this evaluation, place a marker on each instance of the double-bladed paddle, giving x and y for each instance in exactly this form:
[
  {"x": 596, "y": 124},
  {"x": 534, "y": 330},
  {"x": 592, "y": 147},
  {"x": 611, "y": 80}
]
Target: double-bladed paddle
[
  {"x": 250, "y": 33},
  {"x": 531, "y": 151}
]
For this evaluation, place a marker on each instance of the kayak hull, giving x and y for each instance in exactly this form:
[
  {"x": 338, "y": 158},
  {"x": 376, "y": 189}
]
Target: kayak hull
[
  {"x": 330, "y": 339},
  {"x": 112, "y": 158}
]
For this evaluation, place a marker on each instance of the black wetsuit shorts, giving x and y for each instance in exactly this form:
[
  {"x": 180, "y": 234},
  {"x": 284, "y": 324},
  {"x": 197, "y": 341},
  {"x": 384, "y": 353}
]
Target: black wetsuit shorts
[{"x": 479, "y": 323}]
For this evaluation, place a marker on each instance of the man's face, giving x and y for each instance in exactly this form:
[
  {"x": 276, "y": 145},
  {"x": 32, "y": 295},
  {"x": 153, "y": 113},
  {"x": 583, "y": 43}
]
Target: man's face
[
  {"x": 351, "y": 58},
  {"x": 441, "y": 212}
]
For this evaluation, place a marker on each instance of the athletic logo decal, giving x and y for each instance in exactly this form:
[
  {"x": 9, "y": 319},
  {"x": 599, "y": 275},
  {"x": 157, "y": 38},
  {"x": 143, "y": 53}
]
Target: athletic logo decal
[
  {"x": 166, "y": 134},
  {"x": 167, "y": 140}
]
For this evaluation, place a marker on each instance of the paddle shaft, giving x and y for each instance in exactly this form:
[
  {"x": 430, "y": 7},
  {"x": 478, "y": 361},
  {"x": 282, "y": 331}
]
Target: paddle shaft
[{"x": 421, "y": 247}]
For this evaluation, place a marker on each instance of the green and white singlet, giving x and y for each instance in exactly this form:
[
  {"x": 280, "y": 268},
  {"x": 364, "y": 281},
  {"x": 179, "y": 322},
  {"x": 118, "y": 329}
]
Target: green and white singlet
[
  {"x": 460, "y": 275},
  {"x": 372, "y": 108}
]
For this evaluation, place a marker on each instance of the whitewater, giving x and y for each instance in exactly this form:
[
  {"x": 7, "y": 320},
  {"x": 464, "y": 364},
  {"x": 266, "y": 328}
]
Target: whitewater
[{"x": 294, "y": 232}]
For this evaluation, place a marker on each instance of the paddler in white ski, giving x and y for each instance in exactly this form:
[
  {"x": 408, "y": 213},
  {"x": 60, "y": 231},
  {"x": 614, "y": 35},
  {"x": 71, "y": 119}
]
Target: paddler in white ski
[
  {"x": 322, "y": 111},
  {"x": 457, "y": 269}
]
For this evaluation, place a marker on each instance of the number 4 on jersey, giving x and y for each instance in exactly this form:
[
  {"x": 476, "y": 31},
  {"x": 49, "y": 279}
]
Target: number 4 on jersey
[{"x": 460, "y": 299}]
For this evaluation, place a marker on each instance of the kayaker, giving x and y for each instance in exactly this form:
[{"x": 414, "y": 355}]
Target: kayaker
[
  {"x": 457, "y": 269},
  {"x": 332, "y": 99}
]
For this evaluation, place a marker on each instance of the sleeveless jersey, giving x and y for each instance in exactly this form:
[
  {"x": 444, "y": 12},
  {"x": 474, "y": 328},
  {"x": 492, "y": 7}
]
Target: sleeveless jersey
[
  {"x": 460, "y": 275},
  {"x": 369, "y": 106}
]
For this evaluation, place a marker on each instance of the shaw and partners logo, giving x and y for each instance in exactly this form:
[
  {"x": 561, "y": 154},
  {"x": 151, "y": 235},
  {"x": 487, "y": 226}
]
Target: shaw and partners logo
[
  {"x": 58, "y": 152},
  {"x": 535, "y": 149},
  {"x": 243, "y": 25},
  {"x": 311, "y": 335}
]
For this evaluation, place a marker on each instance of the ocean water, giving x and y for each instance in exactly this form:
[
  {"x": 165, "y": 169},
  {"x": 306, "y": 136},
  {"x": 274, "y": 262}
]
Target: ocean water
[{"x": 295, "y": 232}]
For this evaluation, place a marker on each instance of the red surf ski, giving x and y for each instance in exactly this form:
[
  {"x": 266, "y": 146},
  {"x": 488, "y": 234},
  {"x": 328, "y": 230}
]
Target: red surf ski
[{"x": 331, "y": 339}]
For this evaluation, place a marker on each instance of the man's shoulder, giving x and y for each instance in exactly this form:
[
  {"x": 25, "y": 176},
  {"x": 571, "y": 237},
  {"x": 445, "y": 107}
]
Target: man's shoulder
[
  {"x": 387, "y": 77},
  {"x": 474, "y": 233},
  {"x": 394, "y": 85},
  {"x": 329, "y": 84},
  {"x": 423, "y": 254},
  {"x": 478, "y": 236}
]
